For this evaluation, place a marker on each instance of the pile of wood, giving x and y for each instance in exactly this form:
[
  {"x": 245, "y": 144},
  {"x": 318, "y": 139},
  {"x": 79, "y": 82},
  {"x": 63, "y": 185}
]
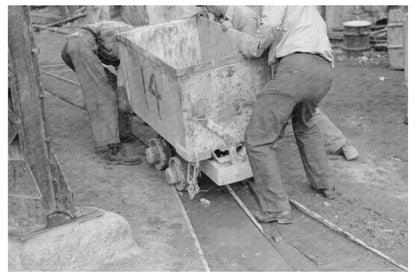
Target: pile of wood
[{"x": 378, "y": 37}]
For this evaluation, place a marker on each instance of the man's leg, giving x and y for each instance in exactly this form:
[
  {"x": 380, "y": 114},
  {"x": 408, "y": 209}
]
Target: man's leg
[
  {"x": 312, "y": 84},
  {"x": 99, "y": 89},
  {"x": 332, "y": 137},
  {"x": 311, "y": 148},
  {"x": 334, "y": 140},
  {"x": 100, "y": 98},
  {"x": 270, "y": 112},
  {"x": 124, "y": 110}
]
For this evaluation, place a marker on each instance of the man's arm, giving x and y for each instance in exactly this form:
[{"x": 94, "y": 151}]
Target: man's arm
[
  {"x": 253, "y": 47},
  {"x": 270, "y": 30},
  {"x": 249, "y": 25}
]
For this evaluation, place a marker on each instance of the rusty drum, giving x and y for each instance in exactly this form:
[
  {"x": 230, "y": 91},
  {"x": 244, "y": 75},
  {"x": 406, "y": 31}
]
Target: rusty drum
[{"x": 356, "y": 37}]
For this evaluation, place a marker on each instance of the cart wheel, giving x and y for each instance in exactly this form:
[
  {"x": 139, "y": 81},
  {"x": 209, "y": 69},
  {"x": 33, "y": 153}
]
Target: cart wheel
[{"x": 158, "y": 153}]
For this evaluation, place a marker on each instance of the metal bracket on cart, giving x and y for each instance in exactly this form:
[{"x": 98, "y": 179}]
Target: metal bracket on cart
[
  {"x": 183, "y": 175},
  {"x": 236, "y": 155},
  {"x": 192, "y": 178},
  {"x": 222, "y": 132}
]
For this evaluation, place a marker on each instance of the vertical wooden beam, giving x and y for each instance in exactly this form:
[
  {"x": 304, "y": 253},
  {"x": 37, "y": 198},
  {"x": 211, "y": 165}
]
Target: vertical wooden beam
[
  {"x": 405, "y": 43},
  {"x": 27, "y": 97}
]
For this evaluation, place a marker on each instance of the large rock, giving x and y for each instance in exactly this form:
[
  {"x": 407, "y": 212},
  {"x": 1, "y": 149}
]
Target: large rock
[{"x": 77, "y": 246}]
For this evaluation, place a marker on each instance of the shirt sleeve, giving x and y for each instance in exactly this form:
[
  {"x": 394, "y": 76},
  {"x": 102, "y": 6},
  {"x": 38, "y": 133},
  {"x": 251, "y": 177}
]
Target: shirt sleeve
[
  {"x": 274, "y": 15},
  {"x": 249, "y": 25}
]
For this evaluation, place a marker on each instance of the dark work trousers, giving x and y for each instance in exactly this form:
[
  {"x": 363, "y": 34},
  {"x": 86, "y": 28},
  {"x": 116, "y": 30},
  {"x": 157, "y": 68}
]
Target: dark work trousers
[
  {"x": 300, "y": 82},
  {"x": 101, "y": 94}
]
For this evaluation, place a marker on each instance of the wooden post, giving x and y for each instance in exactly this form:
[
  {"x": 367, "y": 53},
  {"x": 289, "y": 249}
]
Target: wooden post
[
  {"x": 28, "y": 106},
  {"x": 27, "y": 100}
]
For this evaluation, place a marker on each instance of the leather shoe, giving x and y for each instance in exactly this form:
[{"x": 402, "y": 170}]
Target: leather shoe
[
  {"x": 328, "y": 193},
  {"x": 117, "y": 154},
  {"x": 283, "y": 217}
]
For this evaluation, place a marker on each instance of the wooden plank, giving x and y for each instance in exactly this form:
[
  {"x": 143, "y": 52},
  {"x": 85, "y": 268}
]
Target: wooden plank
[
  {"x": 51, "y": 29},
  {"x": 346, "y": 234},
  {"x": 14, "y": 126},
  {"x": 28, "y": 104},
  {"x": 274, "y": 242},
  {"x": 405, "y": 44},
  {"x": 25, "y": 200},
  {"x": 191, "y": 230},
  {"x": 44, "y": 15},
  {"x": 66, "y": 20},
  {"x": 27, "y": 99},
  {"x": 61, "y": 78}
]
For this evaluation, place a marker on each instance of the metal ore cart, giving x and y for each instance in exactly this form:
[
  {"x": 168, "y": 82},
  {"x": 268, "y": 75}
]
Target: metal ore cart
[{"x": 187, "y": 80}]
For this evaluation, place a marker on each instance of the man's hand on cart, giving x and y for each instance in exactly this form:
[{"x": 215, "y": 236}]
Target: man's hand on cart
[{"x": 227, "y": 24}]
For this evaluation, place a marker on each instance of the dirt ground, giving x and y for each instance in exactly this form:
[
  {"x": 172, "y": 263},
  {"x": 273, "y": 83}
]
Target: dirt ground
[{"x": 368, "y": 102}]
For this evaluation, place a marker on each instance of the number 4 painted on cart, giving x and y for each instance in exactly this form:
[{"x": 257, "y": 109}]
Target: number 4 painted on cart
[{"x": 153, "y": 90}]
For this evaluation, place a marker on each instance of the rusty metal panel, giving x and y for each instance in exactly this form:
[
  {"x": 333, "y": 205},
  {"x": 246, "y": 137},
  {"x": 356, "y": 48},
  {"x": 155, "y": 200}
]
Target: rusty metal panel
[
  {"x": 25, "y": 200},
  {"x": 153, "y": 93},
  {"x": 217, "y": 103}
]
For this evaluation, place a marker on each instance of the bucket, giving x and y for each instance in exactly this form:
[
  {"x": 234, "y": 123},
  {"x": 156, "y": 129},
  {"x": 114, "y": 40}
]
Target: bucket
[{"x": 356, "y": 37}]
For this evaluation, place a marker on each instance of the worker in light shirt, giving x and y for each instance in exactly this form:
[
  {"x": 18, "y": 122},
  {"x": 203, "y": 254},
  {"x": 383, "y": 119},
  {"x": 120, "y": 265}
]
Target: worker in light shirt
[
  {"x": 302, "y": 61},
  {"x": 246, "y": 20}
]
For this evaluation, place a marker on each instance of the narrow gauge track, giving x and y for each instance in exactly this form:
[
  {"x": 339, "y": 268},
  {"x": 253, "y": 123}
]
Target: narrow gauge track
[
  {"x": 231, "y": 239},
  {"x": 228, "y": 239}
]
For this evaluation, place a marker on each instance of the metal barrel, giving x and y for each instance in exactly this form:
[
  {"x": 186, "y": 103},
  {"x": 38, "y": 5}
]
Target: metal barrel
[{"x": 356, "y": 37}]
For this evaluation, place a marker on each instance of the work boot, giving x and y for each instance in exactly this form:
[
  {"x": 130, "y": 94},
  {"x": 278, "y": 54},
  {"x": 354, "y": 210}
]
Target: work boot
[
  {"x": 283, "y": 217},
  {"x": 328, "y": 193},
  {"x": 117, "y": 154},
  {"x": 349, "y": 151}
]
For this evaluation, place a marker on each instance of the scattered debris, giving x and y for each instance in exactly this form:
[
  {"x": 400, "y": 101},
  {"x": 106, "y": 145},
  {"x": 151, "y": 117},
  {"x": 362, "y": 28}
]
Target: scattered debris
[
  {"x": 371, "y": 57},
  {"x": 205, "y": 202}
]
